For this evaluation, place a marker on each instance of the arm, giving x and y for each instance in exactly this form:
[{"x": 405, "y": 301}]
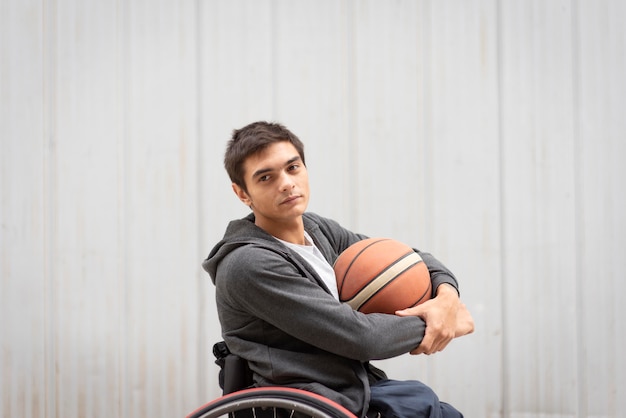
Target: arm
[{"x": 264, "y": 291}]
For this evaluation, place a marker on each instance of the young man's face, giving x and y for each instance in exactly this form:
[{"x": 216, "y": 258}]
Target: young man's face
[{"x": 278, "y": 186}]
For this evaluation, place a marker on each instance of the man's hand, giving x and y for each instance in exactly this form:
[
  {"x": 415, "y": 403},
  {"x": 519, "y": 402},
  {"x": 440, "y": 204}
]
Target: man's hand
[{"x": 446, "y": 318}]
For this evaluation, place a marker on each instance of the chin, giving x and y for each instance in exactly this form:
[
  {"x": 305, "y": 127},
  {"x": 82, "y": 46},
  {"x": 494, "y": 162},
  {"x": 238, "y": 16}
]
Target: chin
[{"x": 298, "y": 210}]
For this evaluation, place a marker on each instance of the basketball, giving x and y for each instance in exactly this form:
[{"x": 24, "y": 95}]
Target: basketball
[{"x": 381, "y": 275}]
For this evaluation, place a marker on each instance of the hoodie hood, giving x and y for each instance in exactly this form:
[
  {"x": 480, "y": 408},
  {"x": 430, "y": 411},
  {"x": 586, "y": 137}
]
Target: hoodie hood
[{"x": 239, "y": 233}]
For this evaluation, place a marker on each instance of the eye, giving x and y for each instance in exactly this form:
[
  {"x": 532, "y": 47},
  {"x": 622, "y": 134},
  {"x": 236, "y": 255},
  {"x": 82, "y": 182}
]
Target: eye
[
  {"x": 264, "y": 178},
  {"x": 293, "y": 167}
]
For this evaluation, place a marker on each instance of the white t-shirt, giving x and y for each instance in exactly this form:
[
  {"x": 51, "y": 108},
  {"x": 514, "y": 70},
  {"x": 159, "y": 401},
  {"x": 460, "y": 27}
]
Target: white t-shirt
[{"x": 315, "y": 258}]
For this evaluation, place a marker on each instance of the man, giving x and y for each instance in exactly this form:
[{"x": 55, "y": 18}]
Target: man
[{"x": 277, "y": 299}]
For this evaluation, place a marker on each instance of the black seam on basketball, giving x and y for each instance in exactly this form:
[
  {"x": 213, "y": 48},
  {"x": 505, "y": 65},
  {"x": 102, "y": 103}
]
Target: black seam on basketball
[{"x": 357, "y": 255}]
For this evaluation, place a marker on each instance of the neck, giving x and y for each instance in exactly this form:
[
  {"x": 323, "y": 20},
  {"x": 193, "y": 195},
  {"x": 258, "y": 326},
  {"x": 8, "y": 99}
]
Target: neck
[{"x": 292, "y": 231}]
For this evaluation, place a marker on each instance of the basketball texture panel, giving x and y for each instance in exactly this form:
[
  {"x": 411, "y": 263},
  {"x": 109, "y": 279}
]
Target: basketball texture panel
[{"x": 381, "y": 275}]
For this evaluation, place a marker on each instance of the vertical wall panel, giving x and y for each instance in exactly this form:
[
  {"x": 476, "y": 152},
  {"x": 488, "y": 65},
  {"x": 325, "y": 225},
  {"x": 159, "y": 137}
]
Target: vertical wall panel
[
  {"x": 86, "y": 293},
  {"x": 538, "y": 208},
  {"x": 161, "y": 204},
  {"x": 601, "y": 64},
  {"x": 23, "y": 302}
]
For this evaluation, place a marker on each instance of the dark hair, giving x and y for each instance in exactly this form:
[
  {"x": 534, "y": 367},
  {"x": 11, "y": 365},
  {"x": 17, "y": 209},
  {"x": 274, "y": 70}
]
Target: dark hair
[{"x": 251, "y": 139}]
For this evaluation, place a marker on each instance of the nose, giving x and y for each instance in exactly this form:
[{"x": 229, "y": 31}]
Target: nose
[{"x": 286, "y": 182}]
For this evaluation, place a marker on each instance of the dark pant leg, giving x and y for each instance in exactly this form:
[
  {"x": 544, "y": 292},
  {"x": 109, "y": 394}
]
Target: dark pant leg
[{"x": 409, "y": 399}]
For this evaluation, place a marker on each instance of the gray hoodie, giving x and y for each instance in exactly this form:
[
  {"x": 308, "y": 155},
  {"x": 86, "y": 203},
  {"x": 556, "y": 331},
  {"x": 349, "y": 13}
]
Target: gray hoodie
[{"x": 277, "y": 313}]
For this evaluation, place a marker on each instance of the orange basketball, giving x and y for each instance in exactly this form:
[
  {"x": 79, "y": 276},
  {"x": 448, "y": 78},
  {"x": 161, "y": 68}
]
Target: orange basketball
[{"x": 381, "y": 275}]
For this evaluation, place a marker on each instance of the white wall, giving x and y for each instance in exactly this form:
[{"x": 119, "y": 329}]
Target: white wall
[{"x": 489, "y": 133}]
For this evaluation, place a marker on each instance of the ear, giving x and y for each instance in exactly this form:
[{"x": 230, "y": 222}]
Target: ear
[{"x": 241, "y": 194}]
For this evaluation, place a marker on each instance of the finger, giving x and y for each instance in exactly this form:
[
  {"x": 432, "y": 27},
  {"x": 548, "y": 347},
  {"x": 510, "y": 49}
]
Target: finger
[
  {"x": 414, "y": 311},
  {"x": 442, "y": 344},
  {"x": 429, "y": 342},
  {"x": 421, "y": 350},
  {"x": 442, "y": 340}
]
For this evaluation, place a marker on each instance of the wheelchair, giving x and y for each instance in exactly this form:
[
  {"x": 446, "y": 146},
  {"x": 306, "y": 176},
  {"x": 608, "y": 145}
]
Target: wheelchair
[{"x": 241, "y": 400}]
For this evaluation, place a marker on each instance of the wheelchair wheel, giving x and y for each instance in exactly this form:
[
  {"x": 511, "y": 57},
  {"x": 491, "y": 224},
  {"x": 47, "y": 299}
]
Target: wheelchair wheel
[{"x": 274, "y": 402}]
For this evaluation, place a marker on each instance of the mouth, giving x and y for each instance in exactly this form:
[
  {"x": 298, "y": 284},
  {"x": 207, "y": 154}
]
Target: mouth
[{"x": 290, "y": 199}]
